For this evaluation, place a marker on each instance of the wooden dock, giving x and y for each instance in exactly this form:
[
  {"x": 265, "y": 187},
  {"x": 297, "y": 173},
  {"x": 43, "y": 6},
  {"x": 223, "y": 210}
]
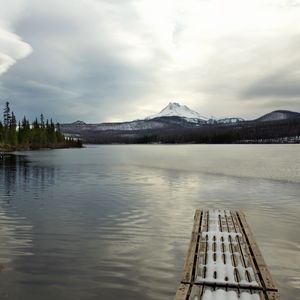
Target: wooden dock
[{"x": 223, "y": 261}]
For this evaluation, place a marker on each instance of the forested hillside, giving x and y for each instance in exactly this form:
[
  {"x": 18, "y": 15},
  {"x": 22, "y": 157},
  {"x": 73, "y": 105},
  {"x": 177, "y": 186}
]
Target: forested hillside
[
  {"x": 25, "y": 135},
  {"x": 281, "y": 131}
]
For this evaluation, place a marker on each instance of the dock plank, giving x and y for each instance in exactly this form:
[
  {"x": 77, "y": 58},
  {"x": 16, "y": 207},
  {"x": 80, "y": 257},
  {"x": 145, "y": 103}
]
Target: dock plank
[
  {"x": 182, "y": 292},
  {"x": 273, "y": 296},
  {"x": 256, "y": 254},
  {"x": 187, "y": 276},
  {"x": 189, "y": 266},
  {"x": 197, "y": 221},
  {"x": 196, "y": 292},
  {"x": 221, "y": 241},
  {"x": 245, "y": 250}
]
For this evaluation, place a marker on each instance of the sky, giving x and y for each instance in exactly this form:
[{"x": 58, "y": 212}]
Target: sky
[{"x": 119, "y": 60}]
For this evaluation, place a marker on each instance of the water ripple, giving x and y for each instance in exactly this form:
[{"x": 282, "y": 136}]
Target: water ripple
[{"x": 114, "y": 222}]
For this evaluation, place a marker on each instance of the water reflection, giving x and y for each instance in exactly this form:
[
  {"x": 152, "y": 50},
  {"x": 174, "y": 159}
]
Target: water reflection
[
  {"x": 21, "y": 182},
  {"x": 114, "y": 221},
  {"x": 16, "y": 231},
  {"x": 16, "y": 171}
]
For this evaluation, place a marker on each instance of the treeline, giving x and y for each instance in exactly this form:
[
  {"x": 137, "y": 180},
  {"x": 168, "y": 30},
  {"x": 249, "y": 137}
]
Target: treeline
[
  {"x": 252, "y": 132},
  {"x": 25, "y": 135}
]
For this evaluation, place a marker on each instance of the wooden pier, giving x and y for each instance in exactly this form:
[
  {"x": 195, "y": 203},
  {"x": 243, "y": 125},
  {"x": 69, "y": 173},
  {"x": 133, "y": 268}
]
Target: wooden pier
[{"x": 223, "y": 261}]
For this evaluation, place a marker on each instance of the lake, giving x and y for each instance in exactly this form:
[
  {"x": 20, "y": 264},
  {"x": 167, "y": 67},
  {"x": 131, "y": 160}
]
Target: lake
[{"x": 114, "y": 222}]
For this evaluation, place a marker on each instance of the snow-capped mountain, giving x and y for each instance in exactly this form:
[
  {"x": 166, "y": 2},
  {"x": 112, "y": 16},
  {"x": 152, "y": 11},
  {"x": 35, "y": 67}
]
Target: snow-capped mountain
[
  {"x": 174, "y": 109},
  {"x": 173, "y": 117}
]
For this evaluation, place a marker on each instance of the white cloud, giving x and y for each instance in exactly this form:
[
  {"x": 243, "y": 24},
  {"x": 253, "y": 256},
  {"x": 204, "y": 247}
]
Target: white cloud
[
  {"x": 12, "y": 48},
  {"x": 5, "y": 62}
]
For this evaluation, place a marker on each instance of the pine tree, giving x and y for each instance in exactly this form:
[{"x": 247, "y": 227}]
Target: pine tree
[
  {"x": 6, "y": 115},
  {"x": 42, "y": 121},
  {"x": 1, "y": 133},
  {"x": 52, "y": 135},
  {"x": 6, "y": 122},
  {"x": 12, "y": 131},
  {"x": 43, "y": 131},
  {"x": 59, "y": 136}
]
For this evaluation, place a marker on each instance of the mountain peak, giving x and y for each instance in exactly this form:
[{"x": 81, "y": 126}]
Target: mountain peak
[
  {"x": 174, "y": 109},
  {"x": 78, "y": 122},
  {"x": 173, "y": 104}
]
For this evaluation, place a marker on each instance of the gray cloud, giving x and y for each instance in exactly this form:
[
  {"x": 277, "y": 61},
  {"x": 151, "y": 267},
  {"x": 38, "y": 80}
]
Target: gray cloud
[
  {"x": 274, "y": 88},
  {"x": 121, "y": 60},
  {"x": 283, "y": 84}
]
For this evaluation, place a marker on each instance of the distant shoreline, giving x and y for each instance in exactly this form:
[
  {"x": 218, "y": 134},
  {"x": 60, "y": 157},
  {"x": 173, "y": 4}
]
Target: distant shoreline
[
  {"x": 9, "y": 149},
  {"x": 194, "y": 143},
  {"x": 65, "y": 146}
]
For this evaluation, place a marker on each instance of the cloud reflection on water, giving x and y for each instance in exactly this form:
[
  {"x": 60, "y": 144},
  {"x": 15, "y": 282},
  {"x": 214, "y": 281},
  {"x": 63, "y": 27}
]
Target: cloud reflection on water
[{"x": 115, "y": 221}]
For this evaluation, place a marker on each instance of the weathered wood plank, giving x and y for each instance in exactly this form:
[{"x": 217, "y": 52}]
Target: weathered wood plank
[
  {"x": 204, "y": 221},
  {"x": 182, "y": 292},
  {"x": 197, "y": 221},
  {"x": 273, "y": 296},
  {"x": 262, "y": 295},
  {"x": 245, "y": 250},
  {"x": 187, "y": 276},
  {"x": 256, "y": 254},
  {"x": 196, "y": 291},
  {"x": 201, "y": 255},
  {"x": 190, "y": 261}
]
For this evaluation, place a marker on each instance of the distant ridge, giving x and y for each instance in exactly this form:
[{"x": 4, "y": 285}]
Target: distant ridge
[
  {"x": 278, "y": 115},
  {"x": 175, "y": 113},
  {"x": 178, "y": 124}
]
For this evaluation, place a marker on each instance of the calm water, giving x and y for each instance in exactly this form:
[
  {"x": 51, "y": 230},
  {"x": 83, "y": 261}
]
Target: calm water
[{"x": 114, "y": 222}]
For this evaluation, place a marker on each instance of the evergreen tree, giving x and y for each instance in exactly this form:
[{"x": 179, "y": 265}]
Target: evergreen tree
[
  {"x": 1, "y": 133},
  {"x": 42, "y": 121},
  {"x": 6, "y": 122},
  {"x": 12, "y": 131},
  {"x": 35, "y": 134},
  {"x": 6, "y": 115},
  {"x": 52, "y": 136},
  {"x": 43, "y": 131},
  {"x": 59, "y": 136},
  {"x": 24, "y": 131}
]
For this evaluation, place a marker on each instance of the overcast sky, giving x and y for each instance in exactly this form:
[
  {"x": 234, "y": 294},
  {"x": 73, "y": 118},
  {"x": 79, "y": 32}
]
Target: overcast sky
[{"x": 117, "y": 60}]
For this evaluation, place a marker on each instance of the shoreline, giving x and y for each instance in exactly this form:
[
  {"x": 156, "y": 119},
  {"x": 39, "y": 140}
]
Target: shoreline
[{"x": 9, "y": 149}]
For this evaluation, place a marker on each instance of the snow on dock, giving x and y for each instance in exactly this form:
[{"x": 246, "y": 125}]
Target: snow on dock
[{"x": 223, "y": 261}]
